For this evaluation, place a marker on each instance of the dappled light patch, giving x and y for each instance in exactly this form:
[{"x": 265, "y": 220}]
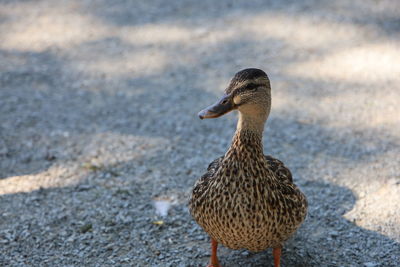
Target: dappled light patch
[
  {"x": 364, "y": 64},
  {"x": 47, "y": 25},
  {"x": 377, "y": 209},
  {"x": 97, "y": 154}
]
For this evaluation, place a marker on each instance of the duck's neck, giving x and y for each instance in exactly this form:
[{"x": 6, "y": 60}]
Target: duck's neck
[{"x": 247, "y": 141}]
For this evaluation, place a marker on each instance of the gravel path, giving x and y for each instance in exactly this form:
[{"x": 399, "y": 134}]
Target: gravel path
[{"x": 98, "y": 126}]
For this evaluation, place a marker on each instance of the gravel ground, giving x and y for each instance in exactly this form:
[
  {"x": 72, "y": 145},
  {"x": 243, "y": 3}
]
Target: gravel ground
[{"x": 98, "y": 126}]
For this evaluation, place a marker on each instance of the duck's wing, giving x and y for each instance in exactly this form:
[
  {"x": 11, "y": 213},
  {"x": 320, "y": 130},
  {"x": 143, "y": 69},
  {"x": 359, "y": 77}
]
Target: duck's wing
[
  {"x": 213, "y": 166},
  {"x": 202, "y": 183},
  {"x": 295, "y": 202},
  {"x": 279, "y": 169},
  {"x": 211, "y": 169}
]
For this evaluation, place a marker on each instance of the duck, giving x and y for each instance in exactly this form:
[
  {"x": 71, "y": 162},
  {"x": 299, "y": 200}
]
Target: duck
[{"x": 247, "y": 200}]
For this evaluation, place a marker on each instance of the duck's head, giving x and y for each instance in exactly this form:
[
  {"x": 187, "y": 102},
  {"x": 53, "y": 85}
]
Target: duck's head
[{"x": 249, "y": 92}]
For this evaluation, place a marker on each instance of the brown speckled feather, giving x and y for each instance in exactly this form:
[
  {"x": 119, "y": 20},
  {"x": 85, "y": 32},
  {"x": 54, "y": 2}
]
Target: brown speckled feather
[
  {"x": 247, "y": 200},
  {"x": 279, "y": 169}
]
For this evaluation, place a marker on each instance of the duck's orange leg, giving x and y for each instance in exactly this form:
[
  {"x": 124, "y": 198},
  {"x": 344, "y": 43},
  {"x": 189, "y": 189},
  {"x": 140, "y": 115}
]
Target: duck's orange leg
[
  {"x": 277, "y": 256},
  {"x": 214, "y": 258}
]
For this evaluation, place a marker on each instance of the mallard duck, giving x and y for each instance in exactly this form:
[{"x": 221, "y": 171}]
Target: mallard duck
[{"x": 247, "y": 200}]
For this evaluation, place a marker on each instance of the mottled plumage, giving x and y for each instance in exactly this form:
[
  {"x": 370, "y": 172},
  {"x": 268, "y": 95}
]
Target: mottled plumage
[{"x": 247, "y": 199}]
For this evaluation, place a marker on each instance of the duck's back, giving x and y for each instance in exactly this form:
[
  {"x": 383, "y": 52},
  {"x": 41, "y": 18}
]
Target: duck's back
[{"x": 252, "y": 206}]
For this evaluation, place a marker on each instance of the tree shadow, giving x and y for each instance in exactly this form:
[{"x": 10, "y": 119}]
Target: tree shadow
[
  {"x": 325, "y": 238},
  {"x": 115, "y": 214},
  {"x": 50, "y": 85},
  {"x": 121, "y": 13}
]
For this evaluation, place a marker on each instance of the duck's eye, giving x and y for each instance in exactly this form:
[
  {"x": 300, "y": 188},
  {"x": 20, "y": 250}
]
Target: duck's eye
[{"x": 251, "y": 87}]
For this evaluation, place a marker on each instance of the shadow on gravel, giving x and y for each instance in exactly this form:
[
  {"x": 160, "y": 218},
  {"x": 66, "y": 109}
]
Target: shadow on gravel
[
  {"x": 38, "y": 83},
  {"x": 121, "y": 13},
  {"x": 326, "y": 238},
  {"x": 104, "y": 220},
  {"x": 116, "y": 208}
]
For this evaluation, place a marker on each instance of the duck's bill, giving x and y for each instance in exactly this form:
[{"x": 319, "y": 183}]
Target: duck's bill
[{"x": 218, "y": 109}]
